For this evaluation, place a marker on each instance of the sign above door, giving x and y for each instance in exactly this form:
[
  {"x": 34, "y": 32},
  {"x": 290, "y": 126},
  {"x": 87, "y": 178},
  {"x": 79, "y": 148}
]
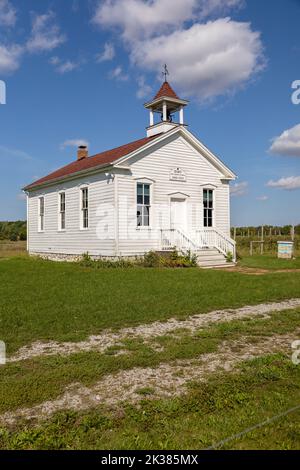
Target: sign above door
[{"x": 177, "y": 174}]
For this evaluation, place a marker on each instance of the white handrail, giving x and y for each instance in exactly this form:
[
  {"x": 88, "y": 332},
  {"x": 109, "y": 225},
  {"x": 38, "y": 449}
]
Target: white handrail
[
  {"x": 205, "y": 238},
  {"x": 214, "y": 238},
  {"x": 176, "y": 239}
]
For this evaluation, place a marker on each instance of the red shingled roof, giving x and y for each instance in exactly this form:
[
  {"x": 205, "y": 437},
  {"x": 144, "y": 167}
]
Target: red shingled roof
[
  {"x": 107, "y": 157},
  {"x": 166, "y": 90}
]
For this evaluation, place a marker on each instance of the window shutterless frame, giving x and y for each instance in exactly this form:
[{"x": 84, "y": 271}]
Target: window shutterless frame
[
  {"x": 208, "y": 207},
  {"x": 41, "y": 216},
  {"x": 143, "y": 204},
  {"x": 84, "y": 208},
  {"x": 62, "y": 211}
]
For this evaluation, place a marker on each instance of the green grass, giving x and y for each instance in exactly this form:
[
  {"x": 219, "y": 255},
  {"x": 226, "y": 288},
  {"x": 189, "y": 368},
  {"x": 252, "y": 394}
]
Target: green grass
[
  {"x": 269, "y": 262},
  {"x": 30, "y": 382},
  {"x": 43, "y": 300},
  {"x": 226, "y": 405}
]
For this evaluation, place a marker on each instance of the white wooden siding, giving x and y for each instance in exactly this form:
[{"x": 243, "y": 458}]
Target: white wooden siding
[
  {"x": 112, "y": 201},
  {"x": 157, "y": 165},
  {"x": 73, "y": 240}
]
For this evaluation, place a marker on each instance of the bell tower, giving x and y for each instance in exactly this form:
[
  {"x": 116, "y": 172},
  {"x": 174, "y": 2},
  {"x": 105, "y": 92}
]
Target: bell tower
[{"x": 166, "y": 104}]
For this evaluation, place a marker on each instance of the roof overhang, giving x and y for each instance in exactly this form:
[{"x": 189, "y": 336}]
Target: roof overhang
[
  {"x": 173, "y": 103},
  {"x": 72, "y": 176}
]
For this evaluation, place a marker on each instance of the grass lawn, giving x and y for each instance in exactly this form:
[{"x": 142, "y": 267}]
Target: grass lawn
[
  {"x": 228, "y": 404},
  {"x": 18, "y": 381},
  {"x": 269, "y": 262},
  {"x": 43, "y": 300}
]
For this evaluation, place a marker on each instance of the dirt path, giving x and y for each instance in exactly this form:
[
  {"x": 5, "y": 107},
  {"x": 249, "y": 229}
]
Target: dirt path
[
  {"x": 258, "y": 271},
  {"x": 167, "y": 380},
  {"x": 148, "y": 331}
]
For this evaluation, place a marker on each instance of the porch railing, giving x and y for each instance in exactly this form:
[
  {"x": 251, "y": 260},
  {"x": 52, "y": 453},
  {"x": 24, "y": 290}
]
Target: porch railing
[{"x": 201, "y": 239}]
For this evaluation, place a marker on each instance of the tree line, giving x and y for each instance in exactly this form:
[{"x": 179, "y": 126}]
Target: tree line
[{"x": 13, "y": 231}]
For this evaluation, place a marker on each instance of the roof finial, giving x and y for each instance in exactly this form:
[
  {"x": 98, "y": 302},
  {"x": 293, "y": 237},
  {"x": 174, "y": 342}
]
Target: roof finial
[{"x": 165, "y": 72}]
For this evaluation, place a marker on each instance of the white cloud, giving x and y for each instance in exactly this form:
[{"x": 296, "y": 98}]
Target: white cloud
[
  {"x": 8, "y": 14},
  {"x": 205, "y": 60},
  {"x": 63, "y": 67},
  {"x": 74, "y": 143},
  {"x": 239, "y": 189},
  {"x": 144, "y": 89},
  {"x": 140, "y": 19},
  {"x": 118, "y": 74},
  {"x": 262, "y": 198},
  {"x": 10, "y": 57},
  {"x": 288, "y": 143},
  {"x": 202, "y": 60},
  {"x": 107, "y": 54},
  {"x": 45, "y": 34},
  {"x": 289, "y": 184}
]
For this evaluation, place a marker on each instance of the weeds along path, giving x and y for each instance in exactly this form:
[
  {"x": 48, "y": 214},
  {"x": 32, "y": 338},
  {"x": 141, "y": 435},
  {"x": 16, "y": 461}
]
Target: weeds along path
[
  {"x": 149, "y": 331},
  {"x": 167, "y": 380}
]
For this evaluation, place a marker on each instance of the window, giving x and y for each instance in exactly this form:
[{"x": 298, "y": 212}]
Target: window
[
  {"x": 143, "y": 205},
  {"x": 85, "y": 208},
  {"x": 208, "y": 207},
  {"x": 62, "y": 211},
  {"x": 41, "y": 214}
]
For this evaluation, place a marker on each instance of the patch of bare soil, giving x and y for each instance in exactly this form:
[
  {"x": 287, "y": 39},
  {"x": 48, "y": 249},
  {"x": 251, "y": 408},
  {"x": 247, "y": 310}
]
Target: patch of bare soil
[
  {"x": 167, "y": 380},
  {"x": 149, "y": 331},
  {"x": 258, "y": 271}
]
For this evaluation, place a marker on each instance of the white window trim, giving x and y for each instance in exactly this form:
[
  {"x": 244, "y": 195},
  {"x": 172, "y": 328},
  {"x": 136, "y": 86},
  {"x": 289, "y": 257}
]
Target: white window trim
[
  {"x": 81, "y": 227},
  {"x": 213, "y": 189},
  {"x": 150, "y": 182},
  {"x": 59, "y": 213},
  {"x": 40, "y": 229}
]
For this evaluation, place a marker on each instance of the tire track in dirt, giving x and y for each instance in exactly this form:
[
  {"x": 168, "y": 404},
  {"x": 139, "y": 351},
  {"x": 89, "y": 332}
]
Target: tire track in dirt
[
  {"x": 166, "y": 380},
  {"x": 149, "y": 331}
]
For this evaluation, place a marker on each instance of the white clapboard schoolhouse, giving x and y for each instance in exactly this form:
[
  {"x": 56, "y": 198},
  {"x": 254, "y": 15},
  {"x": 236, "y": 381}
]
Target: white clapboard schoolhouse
[{"x": 164, "y": 191}]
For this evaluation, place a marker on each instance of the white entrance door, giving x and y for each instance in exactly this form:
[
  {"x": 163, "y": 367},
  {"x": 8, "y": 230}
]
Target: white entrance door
[{"x": 178, "y": 214}]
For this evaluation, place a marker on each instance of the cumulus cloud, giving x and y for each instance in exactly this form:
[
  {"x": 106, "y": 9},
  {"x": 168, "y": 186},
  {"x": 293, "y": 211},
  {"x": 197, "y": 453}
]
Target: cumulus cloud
[
  {"x": 202, "y": 60},
  {"x": 45, "y": 35},
  {"x": 140, "y": 19},
  {"x": 118, "y": 74},
  {"x": 289, "y": 184},
  {"x": 8, "y": 14},
  {"x": 144, "y": 89},
  {"x": 288, "y": 143},
  {"x": 10, "y": 57},
  {"x": 205, "y": 60},
  {"x": 239, "y": 189},
  {"x": 107, "y": 54},
  {"x": 63, "y": 67},
  {"x": 74, "y": 143}
]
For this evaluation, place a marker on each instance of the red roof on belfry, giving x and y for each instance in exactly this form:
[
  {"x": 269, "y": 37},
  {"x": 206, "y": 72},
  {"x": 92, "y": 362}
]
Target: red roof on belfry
[
  {"x": 166, "y": 90},
  {"x": 107, "y": 157}
]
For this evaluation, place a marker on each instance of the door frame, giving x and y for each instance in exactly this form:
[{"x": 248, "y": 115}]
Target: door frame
[{"x": 182, "y": 197}]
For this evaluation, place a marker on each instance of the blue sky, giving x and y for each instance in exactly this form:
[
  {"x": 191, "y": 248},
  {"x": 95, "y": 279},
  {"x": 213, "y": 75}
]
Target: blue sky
[{"x": 81, "y": 70}]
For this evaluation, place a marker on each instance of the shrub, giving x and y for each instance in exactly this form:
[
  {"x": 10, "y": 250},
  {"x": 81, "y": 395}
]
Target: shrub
[{"x": 151, "y": 260}]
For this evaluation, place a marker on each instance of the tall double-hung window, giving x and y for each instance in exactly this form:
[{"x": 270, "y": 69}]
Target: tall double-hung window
[
  {"x": 143, "y": 204},
  {"x": 85, "y": 208},
  {"x": 41, "y": 214},
  {"x": 208, "y": 207},
  {"x": 62, "y": 211}
]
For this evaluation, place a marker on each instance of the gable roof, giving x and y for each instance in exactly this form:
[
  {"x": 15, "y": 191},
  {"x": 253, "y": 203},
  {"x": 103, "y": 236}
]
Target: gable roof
[
  {"x": 104, "y": 158},
  {"x": 166, "y": 90},
  {"x": 197, "y": 144}
]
